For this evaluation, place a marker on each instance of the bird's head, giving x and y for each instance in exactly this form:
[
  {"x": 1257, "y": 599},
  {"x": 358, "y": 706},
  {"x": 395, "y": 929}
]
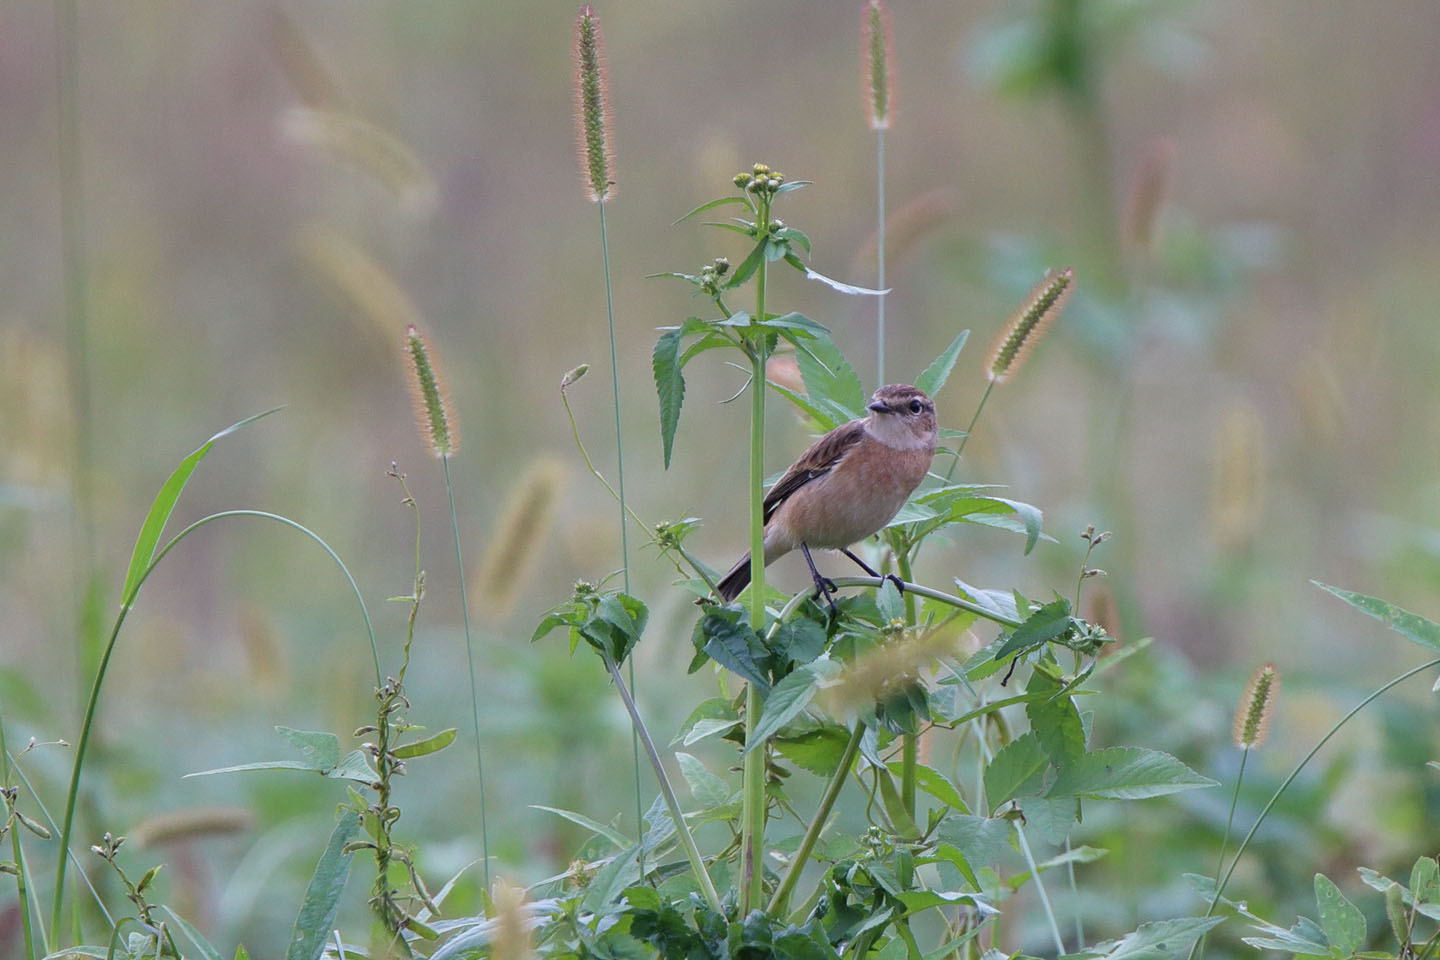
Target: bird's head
[{"x": 902, "y": 417}]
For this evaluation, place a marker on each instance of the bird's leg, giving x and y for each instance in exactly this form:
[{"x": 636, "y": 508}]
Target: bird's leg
[
  {"x": 899, "y": 584},
  {"x": 823, "y": 586}
]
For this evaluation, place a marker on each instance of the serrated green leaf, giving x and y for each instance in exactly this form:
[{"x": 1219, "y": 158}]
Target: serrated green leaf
[
  {"x": 1055, "y": 721},
  {"x": 933, "y": 782},
  {"x": 163, "y": 505},
  {"x": 1125, "y": 773},
  {"x": 747, "y": 267},
  {"x": 1153, "y": 941},
  {"x": 1342, "y": 921},
  {"x": 793, "y": 235},
  {"x": 429, "y": 745},
  {"x": 935, "y": 375},
  {"x": 710, "y": 790},
  {"x": 730, "y": 642},
  {"x": 319, "y": 748},
  {"x": 788, "y": 699},
  {"x": 1412, "y": 626},
  {"x": 981, "y": 840},
  {"x": 669, "y": 386},
  {"x": 830, "y": 382},
  {"x": 322, "y": 896},
  {"x": 818, "y": 751},
  {"x": 259, "y": 765},
  {"x": 1015, "y": 766},
  {"x": 1039, "y": 628},
  {"x": 594, "y": 826},
  {"x": 709, "y": 728}
]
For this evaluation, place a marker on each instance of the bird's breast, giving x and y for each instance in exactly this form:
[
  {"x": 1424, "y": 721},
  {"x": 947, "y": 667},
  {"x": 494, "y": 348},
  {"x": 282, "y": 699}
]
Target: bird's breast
[{"x": 857, "y": 498}]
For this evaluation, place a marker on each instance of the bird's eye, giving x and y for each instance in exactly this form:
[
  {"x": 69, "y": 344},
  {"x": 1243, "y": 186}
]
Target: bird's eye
[{"x": 915, "y": 406}]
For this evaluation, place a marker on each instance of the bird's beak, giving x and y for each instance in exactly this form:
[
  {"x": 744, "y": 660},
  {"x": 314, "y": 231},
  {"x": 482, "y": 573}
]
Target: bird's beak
[{"x": 878, "y": 407}]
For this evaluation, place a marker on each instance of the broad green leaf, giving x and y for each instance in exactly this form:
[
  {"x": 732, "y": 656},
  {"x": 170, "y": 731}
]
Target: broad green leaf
[
  {"x": 747, "y": 267},
  {"x": 670, "y": 386},
  {"x": 900, "y": 817},
  {"x": 420, "y": 748},
  {"x": 154, "y": 524},
  {"x": 322, "y": 896},
  {"x": 711, "y": 205},
  {"x": 1051, "y": 818},
  {"x": 319, "y": 748},
  {"x": 730, "y": 642},
  {"x": 830, "y": 381},
  {"x": 933, "y": 782},
  {"x": 708, "y": 789},
  {"x": 1014, "y": 767},
  {"x": 594, "y": 826},
  {"x": 818, "y": 751},
  {"x": 611, "y": 881},
  {"x": 917, "y": 900},
  {"x": 1153, "y": 941},
  {"x": 1305, "y": 938},
  {"x": 935, "y": 375},
  {"x": 789, "y": 698},
  {"x": 789, "y": 185},
  {"x": 797, "y": 321},
  {"x": 1055, "y": 721},
  {"x": 709, "y": 728},
  {"x": 1425, "y": 880},
  {"x": 792, "y": 235},
  {"x": 202, "y": 946},
  {"x": 1342, "y": 921},
  {"x": 1409, "y": 625},
  {"x": 824, "y": 419},
  {"x": 1040, "y": 627},
  {"x": 354, "y": 766},
  {"x": 712, "y": 709},
  {"x": 981, "y": 840},
  {"x": 1125, "y": 773}
]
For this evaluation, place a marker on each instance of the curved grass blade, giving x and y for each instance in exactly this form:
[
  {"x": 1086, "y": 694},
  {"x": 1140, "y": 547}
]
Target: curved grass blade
[{"x": 161, "y": 509}]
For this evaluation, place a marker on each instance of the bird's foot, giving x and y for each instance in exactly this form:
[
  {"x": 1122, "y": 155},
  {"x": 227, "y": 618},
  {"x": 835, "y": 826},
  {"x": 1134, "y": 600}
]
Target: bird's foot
[{"x": 899, "y": 584}]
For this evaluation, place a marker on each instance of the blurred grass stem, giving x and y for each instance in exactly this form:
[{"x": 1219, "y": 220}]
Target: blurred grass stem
[
  {"x": 880, "y": 257},
  {"x": 470, "y": 661},
  {"x": 57, "y": 909},
  {"x": 1285, "y": 784},
  {"x": 21, "y": 866}
]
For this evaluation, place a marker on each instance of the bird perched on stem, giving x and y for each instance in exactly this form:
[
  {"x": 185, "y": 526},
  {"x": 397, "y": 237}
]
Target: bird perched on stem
[{"x": 847, "y": 486}]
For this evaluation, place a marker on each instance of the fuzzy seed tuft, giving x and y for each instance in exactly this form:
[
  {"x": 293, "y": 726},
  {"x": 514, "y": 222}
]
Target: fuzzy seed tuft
[
  {"x": 427, "y": 389},
  {"x": 1028, "y": 325},
  {"x": 877, "y": 52},
  {"x": 592, "y": 107},
  {"x": 1252, "y": 717}
]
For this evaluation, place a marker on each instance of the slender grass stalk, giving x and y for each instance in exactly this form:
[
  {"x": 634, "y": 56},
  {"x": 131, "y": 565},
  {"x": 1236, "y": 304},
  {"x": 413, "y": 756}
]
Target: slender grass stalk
[
  {"x": 22, "y": 868},
  {"x": 1230, "y": 819},
  {"x": 87, "y": 724},
  {"x": 470, "y": 662},
  {"x": 1285, "y": 784},
  {"x": 1040, "y": 888},
  {"x": 880, "y": 257},
  {"x": 620, "y": 495},
  {"x": 910, "y": 745},
  {"x": 697, "y": 862},
  {"x": 781, "y": 900}
]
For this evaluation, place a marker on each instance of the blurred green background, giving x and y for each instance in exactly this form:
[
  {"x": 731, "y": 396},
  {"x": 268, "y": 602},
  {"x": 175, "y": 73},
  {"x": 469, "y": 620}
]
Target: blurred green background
[{"x": 1244, "y": 391}]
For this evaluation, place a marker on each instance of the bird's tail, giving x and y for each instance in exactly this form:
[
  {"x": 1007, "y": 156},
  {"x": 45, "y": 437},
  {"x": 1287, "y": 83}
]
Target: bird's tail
[{"x": 735, "y": 581}]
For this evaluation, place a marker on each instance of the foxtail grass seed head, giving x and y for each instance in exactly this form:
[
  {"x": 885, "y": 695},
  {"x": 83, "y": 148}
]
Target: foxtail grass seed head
[
  {"x": 878, "y": 59},
  {"x": 301, "y": 63},
  {"x": 427, "y": 389},
  {"x": 512, "y": 934},
  {"x": 592, "y": 107},
  {"x": 1029, "y": 324},
  {"x": 377, "y": 304},
  {"x": 1252, "y": 717},
  {"x": 1238, "y": 484},
  {"x": 887, "y": 668},
  {"x": 514, "y": 548},
  {"x": 347, "y": 137}
]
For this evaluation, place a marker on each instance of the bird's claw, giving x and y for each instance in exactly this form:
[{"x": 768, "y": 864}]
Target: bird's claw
[{"x": 899, "y": 584}]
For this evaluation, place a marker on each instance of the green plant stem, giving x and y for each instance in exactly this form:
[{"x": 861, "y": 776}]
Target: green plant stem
[
  {"x": 87, "y": 724},
  {"x": 969, "y": 430},
  {"x": 1040, "y": 888},
  {"x": 910, "y": 746},
  {"x": 752, "y": 830},
  {"x": 620, "y": 495},
  {"x": 880, "y": 257},
  {"x": 697, "y": 863},
  {"x": 930, "y": 594},
  {"x": 470, "y": 661},
  {"x": 781, "y": 900},
  {"x": 1230, "y": 820},
  {"x": 22, "y": 868},
  {"x": 1285, "y": 784}
]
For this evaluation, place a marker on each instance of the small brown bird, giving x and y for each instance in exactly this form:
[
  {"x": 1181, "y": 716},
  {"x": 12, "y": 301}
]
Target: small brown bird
[{"x": 848, "y": 485}]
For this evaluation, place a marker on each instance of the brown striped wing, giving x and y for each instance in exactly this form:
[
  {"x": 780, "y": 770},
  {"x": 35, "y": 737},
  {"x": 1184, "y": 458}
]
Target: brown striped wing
[{"x": 819, "y": 460}]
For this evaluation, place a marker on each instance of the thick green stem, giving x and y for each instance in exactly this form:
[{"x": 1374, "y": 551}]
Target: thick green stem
[
  {"x": 781, "y": 900},
  {"x": 752, "y": 830},
  {"x": 470, "y": 662},
  {"x": 87, "y": 724},
  {"x": 1285, "y": 785},
  {"x": 910, "y": 747},
  {"x": 682, "y": 829}
]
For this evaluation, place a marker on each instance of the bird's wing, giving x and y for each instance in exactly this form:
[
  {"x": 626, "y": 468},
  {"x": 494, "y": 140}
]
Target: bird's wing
[{"x": 819, "y": 460}]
